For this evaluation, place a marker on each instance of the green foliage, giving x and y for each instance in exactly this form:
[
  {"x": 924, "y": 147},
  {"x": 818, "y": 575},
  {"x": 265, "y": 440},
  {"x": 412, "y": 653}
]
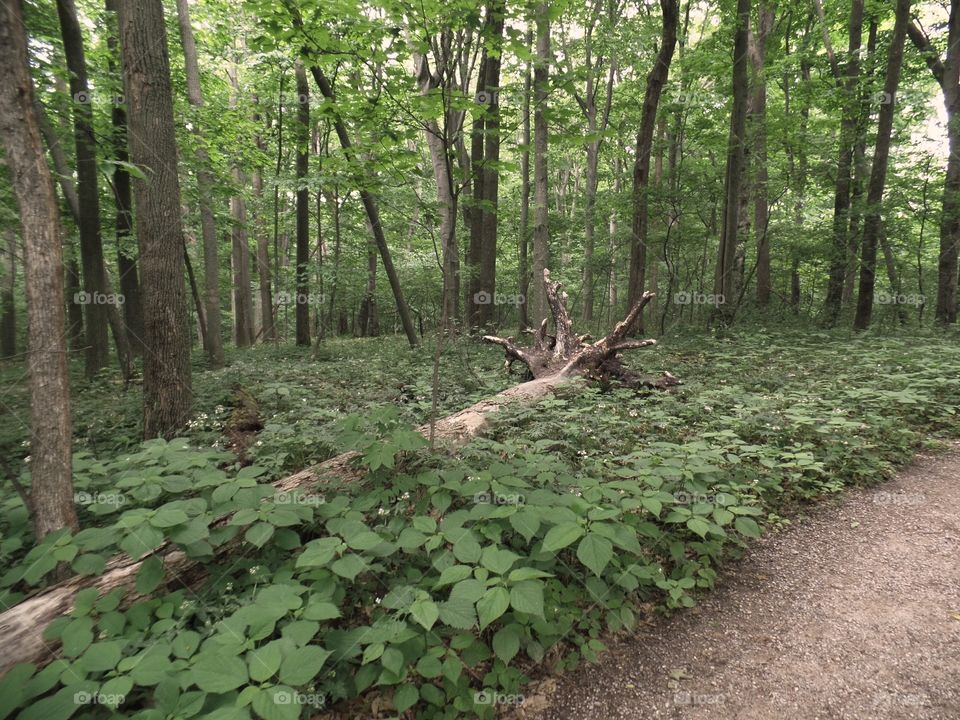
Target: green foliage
[{"x": 443, "y": 576}]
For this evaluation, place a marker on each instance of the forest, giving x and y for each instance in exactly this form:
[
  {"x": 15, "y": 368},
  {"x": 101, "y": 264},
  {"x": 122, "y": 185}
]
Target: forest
[{"x": 392, "y": 359}]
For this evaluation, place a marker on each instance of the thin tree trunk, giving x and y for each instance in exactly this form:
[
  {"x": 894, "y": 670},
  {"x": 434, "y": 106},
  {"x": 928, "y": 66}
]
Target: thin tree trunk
[
  {"x": 656, "y": 80},
  {"x": 523, "y": 268},
  {"x": 947, "y": 75},
  {"x": 211, "y": 256},
  {"x": 878, "y": 176},
  {"x": 726, "y": 273},
  {"x": 91, "y": 248},
  {"x": 51, "y": 487},
  {"x": 302, "y": 306},
  {"x": 541, "y": 227},
  {"x": 766, "y": 14},
  {"x": 167, "y": 389}
]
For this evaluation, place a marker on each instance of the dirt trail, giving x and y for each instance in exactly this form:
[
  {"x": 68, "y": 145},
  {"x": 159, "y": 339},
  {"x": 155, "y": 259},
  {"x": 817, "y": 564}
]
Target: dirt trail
[{"x": 852, "y": 613}]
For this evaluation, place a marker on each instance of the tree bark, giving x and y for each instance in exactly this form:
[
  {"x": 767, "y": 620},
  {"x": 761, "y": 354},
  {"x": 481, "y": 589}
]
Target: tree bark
[
  {"x": 167, "y": 390},
  {"x": 211, "y": 259},
  {"x": 947, "y": 74},
  {"x": 8, "y": 306},
  {"x": 302, "y": 306},
  {"x": 766, "y": 16},
  {"x": 726, "y": 274},
  {"x": 523, "y": 271},
  {"x": 878, "y": 176},
  {"x": 541, "y": 209},
  {"x": 91, "y": 248},
  {"x": 656, "y": 80},
  {"x": 51, "y": 494}
]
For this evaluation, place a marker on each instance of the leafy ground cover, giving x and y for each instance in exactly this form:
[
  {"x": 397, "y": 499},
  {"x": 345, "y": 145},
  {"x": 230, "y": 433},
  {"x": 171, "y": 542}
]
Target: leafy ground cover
[{"x": 440, "y": 586}]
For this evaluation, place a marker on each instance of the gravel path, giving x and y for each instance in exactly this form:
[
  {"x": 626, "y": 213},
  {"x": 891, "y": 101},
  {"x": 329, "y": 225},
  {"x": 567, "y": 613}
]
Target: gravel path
[{"x": 852, "y": 613}]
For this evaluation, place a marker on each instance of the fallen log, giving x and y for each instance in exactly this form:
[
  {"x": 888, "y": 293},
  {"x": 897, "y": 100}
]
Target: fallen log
[{"x": 554, "y": 360}]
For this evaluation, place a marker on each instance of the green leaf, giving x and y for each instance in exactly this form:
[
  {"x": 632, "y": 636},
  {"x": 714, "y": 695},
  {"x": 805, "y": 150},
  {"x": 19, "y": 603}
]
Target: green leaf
[
  {"x": 497, "y": 560},
  {"x": 114, "y": 691},
  {"x": 506, "y": 642},
  {"x": 101, "y": 656},
  {"x": 453, "y": 574},
  {"x": 349, "y": 566},
  {"x": 276, "y": 703},
  {"x": 300, "y": 666},
  {"x": 89, "y": 564},
  {"x": 458, "y": 612},
  {"x": 150, "y": 575},
  {"x": 699, "y": 526},
  {"x": 392, "y": 660},
  {"x": 321, "y": 611},
  {"x": 595, "y": 552},
  {"x": 405, "y": 697},
  {"x": 318, "y": 553},
  {"x": 492, "y": 605},
  {"x": 217, "y": 672},
  {"x": 167, "y": 516},
  {"x": 722, "y": 516},
  {"x": 561, "y": 535},
  {"x": 747, "y": 526},
  {"x": 527, "y": 597},
  {"x": 258, "y": 535},
  {"x": 425, "y": 612},
  {"x": 77, "y": 636},
  {"x": 429, "y": 667},
  {"x": 264, "y": 661}
]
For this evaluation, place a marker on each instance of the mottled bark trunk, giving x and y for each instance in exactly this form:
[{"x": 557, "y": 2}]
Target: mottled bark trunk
[
  {"x": 541, "y": 227},
  {"x": 167, "y": 390},
  {"x": 303, "y": 207},
  {"x": 51, "y": 486}
]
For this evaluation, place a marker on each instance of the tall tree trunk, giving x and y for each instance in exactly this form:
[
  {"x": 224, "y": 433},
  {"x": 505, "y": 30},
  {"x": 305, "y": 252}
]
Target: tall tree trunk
[
  {"x": 878, "y": 176},
  {"x": 656, "y": 80},
  {"x": 269, "y": 331},
  {"x": 523, "y": 269},
  {"x": 725, "y": 280},
  {"x": 167, "y": 390},
  {"x": 439, "y": 146},
  {"x": 861, "y": 169},
  {"x": 766, "y": 16},
  {"x": 51, "y": 485},
  {"x": 243, "y": 304},
  {"x": 211, "y": 256},
  {"x": 848, "y": 131},
  {"x": 123, "y": 225},
  {"x": 303, "y": 207},
  {"x": 947, "y": 75},
  {"x": 487, "y": 275},
  {"x": 541, "y": 227},
  {"x": 91, "y": 249}
]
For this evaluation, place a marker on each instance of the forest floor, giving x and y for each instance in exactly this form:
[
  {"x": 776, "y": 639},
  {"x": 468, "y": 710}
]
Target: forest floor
[{"x": 852, "y": 612}]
